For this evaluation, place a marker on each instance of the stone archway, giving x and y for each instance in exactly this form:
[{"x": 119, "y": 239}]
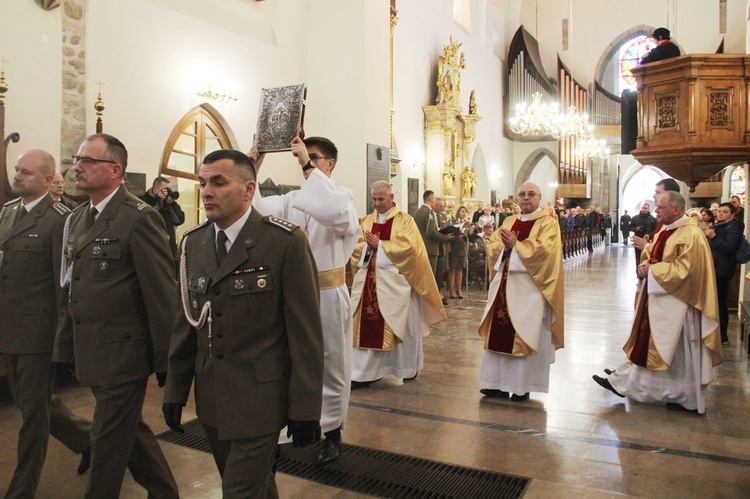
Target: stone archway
[{"x": 533, "y": 159}]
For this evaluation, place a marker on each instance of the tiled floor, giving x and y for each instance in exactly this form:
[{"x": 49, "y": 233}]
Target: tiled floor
[{"x": 577, "y": 441}]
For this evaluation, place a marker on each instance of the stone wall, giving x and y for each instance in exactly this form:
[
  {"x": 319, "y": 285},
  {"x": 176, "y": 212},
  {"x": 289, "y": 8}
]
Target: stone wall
[{"x": 73, "y": 119}]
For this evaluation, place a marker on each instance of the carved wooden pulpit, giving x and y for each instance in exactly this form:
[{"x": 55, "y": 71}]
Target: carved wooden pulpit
[{"x": 693, "y": 118}]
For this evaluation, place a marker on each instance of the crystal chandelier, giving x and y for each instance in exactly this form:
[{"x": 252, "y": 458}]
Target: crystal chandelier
[
  {"x": 539, "y": 119},
  {"x": 592, "y": 148}
]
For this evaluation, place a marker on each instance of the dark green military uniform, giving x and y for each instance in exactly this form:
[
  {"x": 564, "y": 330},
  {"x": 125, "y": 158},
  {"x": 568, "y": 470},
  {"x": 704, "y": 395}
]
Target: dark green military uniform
[
  {"x": 122, "y": 303},
  {"x": 29, "y": 293},
  {"x": 261, "y": 360}
]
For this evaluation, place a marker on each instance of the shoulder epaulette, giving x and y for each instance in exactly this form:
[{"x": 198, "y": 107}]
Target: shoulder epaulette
[
  {"x": 12, "y": 201},
  {"x": 60, "y": 208},
  {"x": 281, "y": 223},
  {"x": 193, "y": 229}
]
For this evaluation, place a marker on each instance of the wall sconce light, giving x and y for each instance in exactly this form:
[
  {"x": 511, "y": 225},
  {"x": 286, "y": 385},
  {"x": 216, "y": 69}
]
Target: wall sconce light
[
  {"x": 554, "y": 184},
  {"x": 218, "y": 96},
  {"x": 496, "y": 175},
  {"x": 417, "y": 158}
]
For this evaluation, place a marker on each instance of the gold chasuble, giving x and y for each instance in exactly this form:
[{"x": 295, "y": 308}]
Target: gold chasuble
[
  {"x": 681, "y": 263},
  {"x": 381, "y": 296},
  {"x": 539, "y": 247}
]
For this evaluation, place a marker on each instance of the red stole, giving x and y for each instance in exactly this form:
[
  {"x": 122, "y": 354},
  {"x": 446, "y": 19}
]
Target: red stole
[
  {"x": 502, "y": 334},
  {"x": 372, "y": 323},
  {"x": 639, "y": 354}
]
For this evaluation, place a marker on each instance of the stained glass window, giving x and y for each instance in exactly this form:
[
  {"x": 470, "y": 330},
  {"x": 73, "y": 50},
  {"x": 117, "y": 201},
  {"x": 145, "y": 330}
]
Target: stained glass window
[
  {"x": 631, "y": 54},
  {"x": 737, "y": 187}
]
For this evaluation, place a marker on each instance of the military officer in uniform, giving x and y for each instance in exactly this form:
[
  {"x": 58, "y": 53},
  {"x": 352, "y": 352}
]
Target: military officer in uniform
[
  {"x": 30, "y": 241},
  {"x": 250, "y": 333},
  {"x": 121, "y": 308}
]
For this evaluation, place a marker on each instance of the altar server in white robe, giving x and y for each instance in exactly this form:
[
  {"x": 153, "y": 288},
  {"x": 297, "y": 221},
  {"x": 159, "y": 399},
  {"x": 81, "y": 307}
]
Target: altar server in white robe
[
  {"x": 394, "y": 294},
  {"x": 675, "y": 339},
  {"x": 327, "y": 213},
  {"x": 523, "y": 322}
]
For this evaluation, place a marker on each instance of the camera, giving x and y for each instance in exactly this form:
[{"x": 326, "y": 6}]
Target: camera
[{"x": 172, "y": 194}]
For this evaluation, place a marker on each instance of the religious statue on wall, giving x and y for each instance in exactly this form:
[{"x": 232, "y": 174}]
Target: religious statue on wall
[
  {"x": 473, "y": 109},
  {"x": 449, "y": 178},
  {"x": 469, "y": 183}
]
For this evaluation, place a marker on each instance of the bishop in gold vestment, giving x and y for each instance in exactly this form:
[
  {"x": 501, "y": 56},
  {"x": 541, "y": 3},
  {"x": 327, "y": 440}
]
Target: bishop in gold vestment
[
  {"x": 675, "y": 339},
  {"x": 523, "y": 322},
  {"x": 394, "y": 294}
]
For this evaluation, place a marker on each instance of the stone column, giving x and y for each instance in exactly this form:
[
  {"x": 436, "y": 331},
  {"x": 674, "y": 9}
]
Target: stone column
[{"x": 73, "y": 121}]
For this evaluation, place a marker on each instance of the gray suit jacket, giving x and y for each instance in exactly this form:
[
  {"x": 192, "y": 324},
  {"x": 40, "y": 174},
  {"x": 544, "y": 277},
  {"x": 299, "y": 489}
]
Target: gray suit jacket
[
  {"x": 263, "y": 363},
  {"x": 29, "y": 271},
  {"x": 123, "y": 298}
]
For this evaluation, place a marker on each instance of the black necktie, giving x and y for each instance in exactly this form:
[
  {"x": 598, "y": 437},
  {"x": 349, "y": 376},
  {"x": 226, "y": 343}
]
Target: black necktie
[
  {"x": 21, "y": 213},
  {"x": 91, "y": 218},
  {"x": 221, "y": 246}
]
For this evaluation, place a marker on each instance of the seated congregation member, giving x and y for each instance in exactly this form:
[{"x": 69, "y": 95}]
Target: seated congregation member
[
  {"x": 675, "y": 339},
  {"x": 523, "y": 322},
  {"x": 394, "y": 294},
  {"x": 249, "y": 331},
  {"x": 328, "y": 213},
  {"x": 724, "y": 238}
]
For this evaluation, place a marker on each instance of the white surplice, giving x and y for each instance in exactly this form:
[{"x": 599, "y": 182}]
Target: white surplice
[{"x": 328, "y": 212}]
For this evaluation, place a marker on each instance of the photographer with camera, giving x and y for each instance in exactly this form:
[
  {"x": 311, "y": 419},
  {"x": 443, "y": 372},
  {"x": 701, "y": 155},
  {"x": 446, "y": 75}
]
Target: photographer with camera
[{"x": 164, "y": 200}]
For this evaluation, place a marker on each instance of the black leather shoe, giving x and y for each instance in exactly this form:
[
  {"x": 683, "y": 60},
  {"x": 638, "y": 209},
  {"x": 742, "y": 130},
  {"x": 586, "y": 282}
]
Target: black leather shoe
[
  {"x": 519, "y": 398},
  {"x": 412, "y": 378},
  {"x": 671, "y": 406},
  {"x": 331, "y": 451},
  {"x": 604, "y": 383},
  {"x": 492, "y": 393},
  {"x": 445, "y": 301},
  {"x": 362, "y": 384},
  {"x": 85, "y": 463},
  {"x": 608, "y": 372}
]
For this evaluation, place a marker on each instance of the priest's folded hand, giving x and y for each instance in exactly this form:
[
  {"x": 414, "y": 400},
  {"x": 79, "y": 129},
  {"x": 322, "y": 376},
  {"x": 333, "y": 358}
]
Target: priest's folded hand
[
  {"x": 303, "y": 432},
  {"x": 173, "y": 415}
]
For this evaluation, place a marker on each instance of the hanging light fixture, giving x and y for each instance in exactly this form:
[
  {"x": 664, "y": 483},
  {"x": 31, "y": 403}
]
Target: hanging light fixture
[
  {"x": 592, "y": 148},
  {"x": 539, "y": 119}
]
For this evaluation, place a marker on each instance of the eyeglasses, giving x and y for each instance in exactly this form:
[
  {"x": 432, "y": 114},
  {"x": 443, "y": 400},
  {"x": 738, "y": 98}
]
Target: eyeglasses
[
  {"x": 86, "y": 161},
  {"x": 530, "y": 194},
  {"x": 315, "y": 157}
]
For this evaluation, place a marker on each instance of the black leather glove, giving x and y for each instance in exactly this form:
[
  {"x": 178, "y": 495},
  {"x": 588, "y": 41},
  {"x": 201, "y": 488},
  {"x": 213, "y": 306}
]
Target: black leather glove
[
  {"x": 173, "y": 415},
  {"x": 64, "y": 373},
  {"x": 161, "y": 378},
  {"x": 303, "y": 432}
]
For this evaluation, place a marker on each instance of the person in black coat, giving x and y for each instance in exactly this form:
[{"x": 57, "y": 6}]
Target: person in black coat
[
  {"x": 725, "y": 238},
  {"x": 664, "y": 49}
]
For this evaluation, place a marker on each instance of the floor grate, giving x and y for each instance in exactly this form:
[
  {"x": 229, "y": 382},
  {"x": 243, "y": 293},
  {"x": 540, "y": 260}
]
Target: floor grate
[{"x": 378, "y": 473}]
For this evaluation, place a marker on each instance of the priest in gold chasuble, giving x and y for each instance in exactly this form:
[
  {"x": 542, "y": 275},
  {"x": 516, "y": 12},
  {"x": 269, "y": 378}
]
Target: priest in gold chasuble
[
  {"x": 394, "y": 294},
  {"x": 523, "y": 323},
  {"x": 675, "y": 341}
]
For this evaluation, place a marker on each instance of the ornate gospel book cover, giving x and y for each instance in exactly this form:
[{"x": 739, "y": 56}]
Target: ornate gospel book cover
[{"x": 281, "y": 116}]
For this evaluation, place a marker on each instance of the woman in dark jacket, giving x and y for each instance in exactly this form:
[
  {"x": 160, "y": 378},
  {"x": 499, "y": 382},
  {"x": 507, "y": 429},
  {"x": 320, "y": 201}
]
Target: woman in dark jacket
[
  {"x": 725, "y": 238},
  {"x": 457, "y": 259}
]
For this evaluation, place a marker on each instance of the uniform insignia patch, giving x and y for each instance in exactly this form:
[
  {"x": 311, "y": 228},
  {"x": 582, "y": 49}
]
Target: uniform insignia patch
[
  {"x": 106, "y": 240},
  {"x": 97, "y": 250},
  {"x": 103, "y": 267},
  {"x": 60, "y": 208},
  {"x": 239, "y": 284},
  {"x": 261, "y": 282},
  {"x": 281, "y": 223},
  {"x": 262, "y": 268},
  {"x": 141, "y": 206}
]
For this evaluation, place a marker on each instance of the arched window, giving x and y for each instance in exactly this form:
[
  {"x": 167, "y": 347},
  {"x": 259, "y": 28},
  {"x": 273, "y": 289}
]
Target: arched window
[
  {"x": 201, "y": 131},
  {"x": 737, "y": 187},
  {"x": 631, "y": 54}
]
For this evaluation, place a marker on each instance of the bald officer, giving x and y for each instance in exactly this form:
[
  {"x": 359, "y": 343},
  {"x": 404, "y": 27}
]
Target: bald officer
[
  {"x": 30, "y": 241},
  {"x": 121, "y": 307},
  {"x": 250, "y": 334}
]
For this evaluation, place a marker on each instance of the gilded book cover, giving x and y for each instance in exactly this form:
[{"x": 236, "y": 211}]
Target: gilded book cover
[{"x": 281, "y": 115}]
